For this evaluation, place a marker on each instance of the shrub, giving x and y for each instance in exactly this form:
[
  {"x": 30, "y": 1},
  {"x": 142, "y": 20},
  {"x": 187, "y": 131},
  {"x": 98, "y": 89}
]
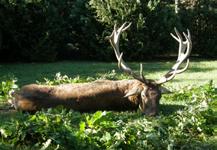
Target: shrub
[
  {"x": 151, "y": 23},
  {"x": 59, "y": 128},
  {"x": 7, "y": 87},
  {"x": 26, "y": 31},
  {"x": 200, "y": 17},
  {"x": 40, "y": 30},
  {"x": 49, "y": 30},
  {"x": 188, "y": 128}
]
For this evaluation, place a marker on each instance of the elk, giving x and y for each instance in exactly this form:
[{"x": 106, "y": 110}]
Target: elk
[{"x": 118, "y": 95}]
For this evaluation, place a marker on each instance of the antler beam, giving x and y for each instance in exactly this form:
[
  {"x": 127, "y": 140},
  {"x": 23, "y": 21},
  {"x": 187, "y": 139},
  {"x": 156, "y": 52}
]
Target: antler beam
[
  {"x": 114, "y": 40},
  {"x": 184, "y": 52}
]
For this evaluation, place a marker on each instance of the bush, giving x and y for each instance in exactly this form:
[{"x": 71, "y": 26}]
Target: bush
[
  {"x": 49, "y": 30},
  {"x": 152, "y": 21},
  {"x": 189, "y": 128},
  {"x": 26, "y": 31},
  {"x": 40, "y": 30},
  {"x": 200, "y": 16},
  {"x": 7, "y": 87}
]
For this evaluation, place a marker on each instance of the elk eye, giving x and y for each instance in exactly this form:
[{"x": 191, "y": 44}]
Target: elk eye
[
  {"x": 153, "y": 93},
  {"x": 143, "y": 94}
]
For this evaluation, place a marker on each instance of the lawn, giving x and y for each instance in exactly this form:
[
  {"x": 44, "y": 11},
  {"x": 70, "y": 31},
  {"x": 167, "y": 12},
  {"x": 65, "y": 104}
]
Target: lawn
[
  {"x": 179, "y": 126},
  {"x": 199, "y": 71}
]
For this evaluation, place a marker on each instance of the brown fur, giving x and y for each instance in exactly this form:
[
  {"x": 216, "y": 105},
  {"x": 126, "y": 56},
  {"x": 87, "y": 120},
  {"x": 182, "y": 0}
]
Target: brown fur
[{"x": 83, "y": 97}]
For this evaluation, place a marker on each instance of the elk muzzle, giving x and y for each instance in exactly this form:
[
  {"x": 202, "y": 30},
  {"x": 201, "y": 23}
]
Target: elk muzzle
[{"x": 149, "y": 103}]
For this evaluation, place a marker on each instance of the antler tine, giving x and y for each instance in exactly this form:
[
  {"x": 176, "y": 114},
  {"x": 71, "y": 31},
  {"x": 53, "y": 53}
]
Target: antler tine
[
  {"x": 184, "y": 52},
  {"x": 114, "y": 40},
  {"x": 141, "y": 72},
  {"x": 125, "y": 28},
  {"x": 182, "y": 46},
  {"x": 188, "y": 42},
  {"x": 178, "y": 36},
  {"x": 188, "y": 51}
]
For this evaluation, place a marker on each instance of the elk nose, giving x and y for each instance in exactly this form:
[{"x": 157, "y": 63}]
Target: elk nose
[{"x": 150, "y": 113}]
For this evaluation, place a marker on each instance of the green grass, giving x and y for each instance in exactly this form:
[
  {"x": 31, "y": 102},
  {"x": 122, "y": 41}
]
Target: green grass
[{"x": 199, "y": 72}]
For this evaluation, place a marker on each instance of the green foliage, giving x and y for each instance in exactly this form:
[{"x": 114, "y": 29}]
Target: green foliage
[
  {"x": 7, "y": 87},
  {"x": 206, "y": 92},
  {"x": 26, "y": 24},
  {"x": 187, "y": 128},
  {"x": 49, "y": 30},
  {"x": 200, "y": 17},
  {"x": 61, "y": 79},
  {"x": 152, "y": 20},
  {"x": 113, "y": 11},
  {"x": 40, "y": 30}
]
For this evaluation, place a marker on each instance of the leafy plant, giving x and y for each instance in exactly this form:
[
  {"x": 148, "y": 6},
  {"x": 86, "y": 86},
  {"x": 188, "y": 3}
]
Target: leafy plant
[
  {"x": 44, "y": 28},
  {"x": 200, "y": 17},
  {"x": 111, "y": 12},
  {"x": 59, "y": 128},
  {"x": 60, "y": 79},
  {"x": 7, "y": 87}
]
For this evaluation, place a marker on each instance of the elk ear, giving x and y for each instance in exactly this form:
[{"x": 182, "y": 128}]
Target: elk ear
[
  {"x": 134, "y": 91},
  {"x": 164, "y": 90}
]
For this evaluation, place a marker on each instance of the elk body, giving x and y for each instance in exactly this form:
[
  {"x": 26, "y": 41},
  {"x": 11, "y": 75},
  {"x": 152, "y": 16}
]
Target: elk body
[
  {"x": 85, "y": 97},
  {"x": 106, "y": 94}
]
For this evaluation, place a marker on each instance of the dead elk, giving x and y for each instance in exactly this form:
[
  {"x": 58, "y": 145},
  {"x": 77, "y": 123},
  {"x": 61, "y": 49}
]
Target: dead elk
[{"x": 106, "y": 94}]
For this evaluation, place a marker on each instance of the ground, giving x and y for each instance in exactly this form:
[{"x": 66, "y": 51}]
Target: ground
[{"x": 200, "y": 72}]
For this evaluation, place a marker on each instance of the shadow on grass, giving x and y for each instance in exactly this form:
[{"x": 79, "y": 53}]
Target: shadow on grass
[
  {"x": 29, "y": 73},
  {"x": 168, "y": 109},
  {"x": 191, "y": 80},
  {"x": 7, "y": 112},
  {"x": 150, "y": 68}
]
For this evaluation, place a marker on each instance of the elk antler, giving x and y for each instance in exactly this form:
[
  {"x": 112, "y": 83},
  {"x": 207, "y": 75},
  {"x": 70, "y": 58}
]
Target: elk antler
[
  {"x": 184, "y": 52},
  {"x": 114, "y": 40}
]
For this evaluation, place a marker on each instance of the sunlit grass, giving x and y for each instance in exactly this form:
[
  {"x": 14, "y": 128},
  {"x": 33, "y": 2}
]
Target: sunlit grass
[{"x": 199, "y": 72}]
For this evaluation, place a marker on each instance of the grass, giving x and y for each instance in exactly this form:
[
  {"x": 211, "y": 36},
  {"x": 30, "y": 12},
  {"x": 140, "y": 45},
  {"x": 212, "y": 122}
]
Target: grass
[{"x": 199, "y": 72}]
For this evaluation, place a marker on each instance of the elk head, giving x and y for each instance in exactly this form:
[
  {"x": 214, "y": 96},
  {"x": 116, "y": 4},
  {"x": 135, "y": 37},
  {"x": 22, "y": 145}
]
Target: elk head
[{"x": 150, "y": 91}]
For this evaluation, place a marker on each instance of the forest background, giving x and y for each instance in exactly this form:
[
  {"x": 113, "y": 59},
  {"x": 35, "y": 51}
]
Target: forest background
[{"x": 53, "y": 30}]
